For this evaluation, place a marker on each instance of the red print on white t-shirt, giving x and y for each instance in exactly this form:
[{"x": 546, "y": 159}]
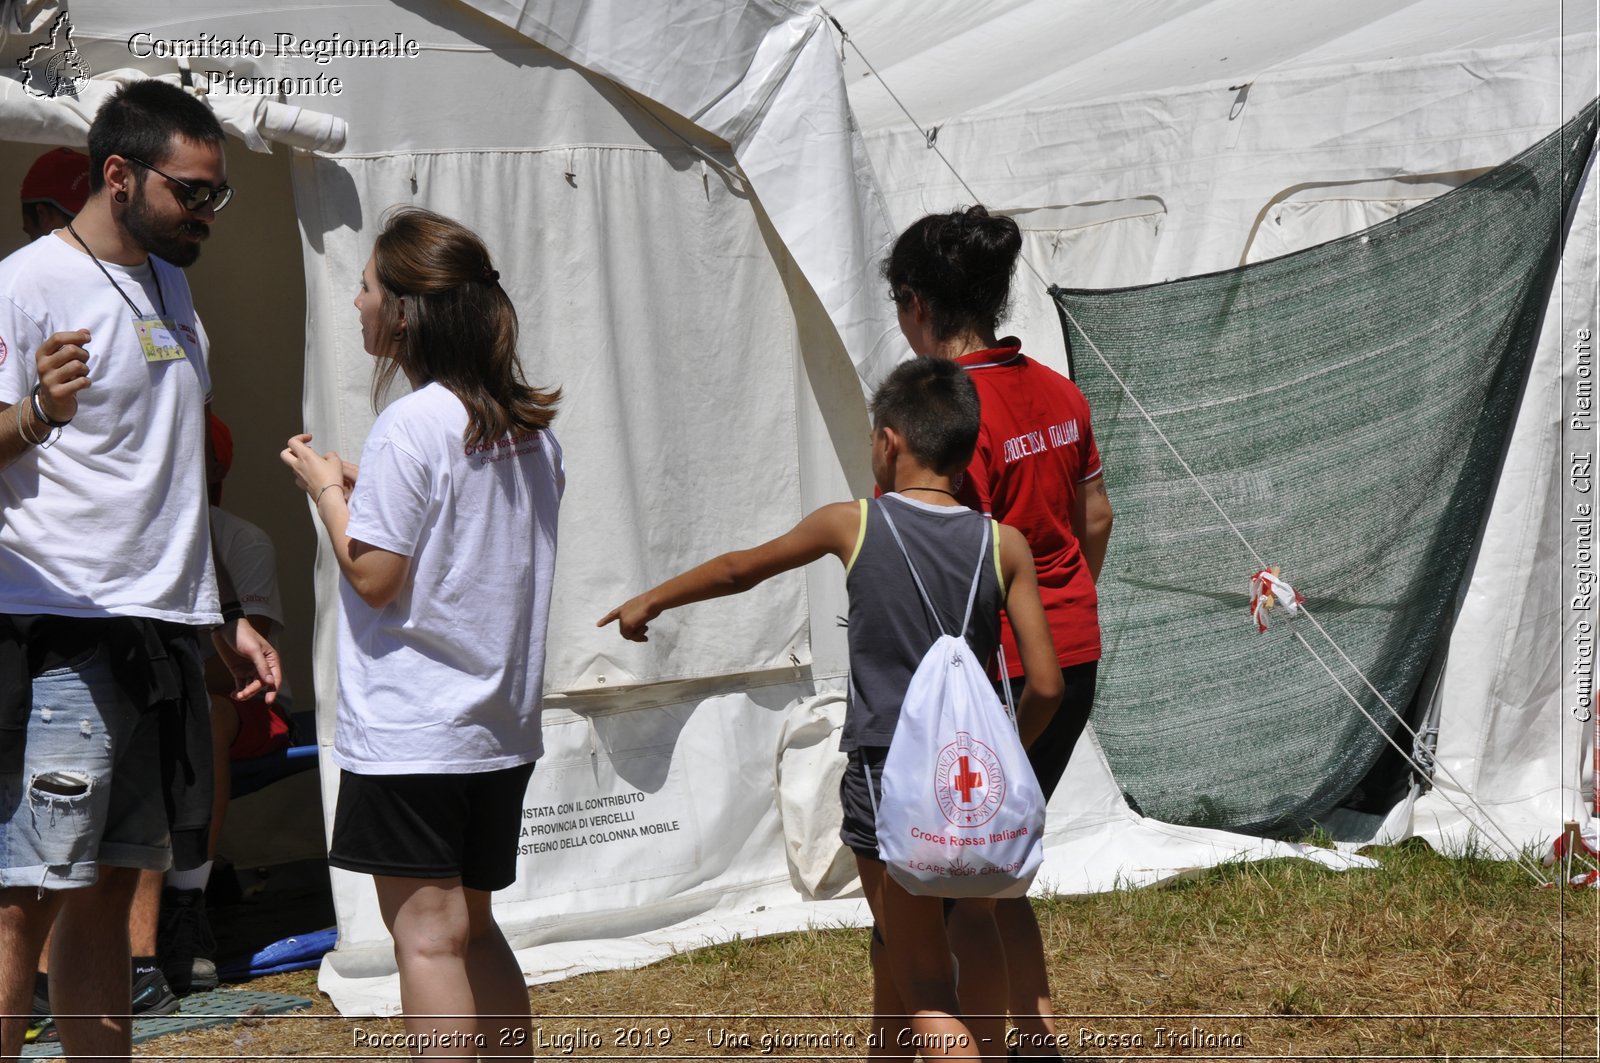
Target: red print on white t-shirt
[{"x": 2, "y": 350}]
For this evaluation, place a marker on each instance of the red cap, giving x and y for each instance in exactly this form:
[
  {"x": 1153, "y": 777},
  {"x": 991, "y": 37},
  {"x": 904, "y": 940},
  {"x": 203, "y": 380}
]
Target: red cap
[
  {"x": 59, "y": 176},
  {"x": 219, "y": 457},
  {"x": 221, "y": 442}
]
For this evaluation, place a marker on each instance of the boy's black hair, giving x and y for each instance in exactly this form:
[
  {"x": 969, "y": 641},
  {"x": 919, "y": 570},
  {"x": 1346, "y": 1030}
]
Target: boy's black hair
[
  {"x": 933, "y": 405},
  {"x": 959, "y": 264},
  {"x": 140, "y": 121}
]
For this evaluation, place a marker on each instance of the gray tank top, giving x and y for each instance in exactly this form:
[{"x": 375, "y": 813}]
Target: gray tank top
[{"x": 890, "y": 626}]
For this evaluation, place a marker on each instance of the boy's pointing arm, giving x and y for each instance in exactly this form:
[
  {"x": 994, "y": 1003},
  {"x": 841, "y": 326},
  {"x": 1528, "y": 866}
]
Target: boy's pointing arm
[{"x": 829, "y": 530}]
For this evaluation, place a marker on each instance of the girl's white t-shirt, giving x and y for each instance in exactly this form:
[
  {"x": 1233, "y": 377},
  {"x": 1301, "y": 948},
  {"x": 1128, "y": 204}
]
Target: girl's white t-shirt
[{"x": 449, "y": 676}]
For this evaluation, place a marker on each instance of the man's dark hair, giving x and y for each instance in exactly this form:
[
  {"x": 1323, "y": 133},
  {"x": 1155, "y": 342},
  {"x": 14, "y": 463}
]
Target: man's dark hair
[
  {"x": 140, "y": 121},
  {"x": 933, "y": 405}
]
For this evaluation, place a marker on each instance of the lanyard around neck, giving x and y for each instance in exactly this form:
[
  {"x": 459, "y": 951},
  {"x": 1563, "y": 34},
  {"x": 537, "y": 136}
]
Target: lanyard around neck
[{"x": 154, "y": 276}]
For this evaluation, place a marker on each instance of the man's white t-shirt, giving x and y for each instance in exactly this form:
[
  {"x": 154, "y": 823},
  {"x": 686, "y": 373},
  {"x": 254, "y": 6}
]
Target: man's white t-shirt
[
  {"x": 109, "y": 520},
  {"x": 449, "y": 676}
]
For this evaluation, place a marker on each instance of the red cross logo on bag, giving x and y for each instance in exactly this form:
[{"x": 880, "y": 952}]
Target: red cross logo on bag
[{"x": 969, "y": 782}]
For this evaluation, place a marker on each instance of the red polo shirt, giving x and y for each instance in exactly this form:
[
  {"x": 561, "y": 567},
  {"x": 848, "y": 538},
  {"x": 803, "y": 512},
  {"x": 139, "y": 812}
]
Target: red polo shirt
[{"x": 1034, "y": 449}]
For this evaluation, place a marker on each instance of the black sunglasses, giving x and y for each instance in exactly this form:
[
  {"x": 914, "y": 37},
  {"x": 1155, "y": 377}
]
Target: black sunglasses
[{"x": 193, "y": 196}]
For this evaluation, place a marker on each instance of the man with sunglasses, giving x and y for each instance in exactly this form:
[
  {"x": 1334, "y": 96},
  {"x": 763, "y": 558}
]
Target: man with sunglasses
[{"x": 106, "y": 575}]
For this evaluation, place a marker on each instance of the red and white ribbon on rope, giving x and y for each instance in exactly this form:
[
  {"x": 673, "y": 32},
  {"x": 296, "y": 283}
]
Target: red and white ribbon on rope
[
  {"x": 1579, "y": 852},
  {"x": 1267, "y": 592}
]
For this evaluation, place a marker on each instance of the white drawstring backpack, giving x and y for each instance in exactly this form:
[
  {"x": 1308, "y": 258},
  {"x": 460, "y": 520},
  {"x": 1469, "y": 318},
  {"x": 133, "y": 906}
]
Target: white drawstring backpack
[{"x": 961, "y": 813}]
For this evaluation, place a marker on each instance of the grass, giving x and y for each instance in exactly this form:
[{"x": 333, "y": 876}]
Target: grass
[{"x": 1423, "y": 958}]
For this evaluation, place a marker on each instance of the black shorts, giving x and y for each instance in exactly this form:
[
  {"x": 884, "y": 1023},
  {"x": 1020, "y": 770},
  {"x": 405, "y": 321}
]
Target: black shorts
[
  {"x": 859, "y": 831},
  {"x": 186, "y": 754},
  {"x": 1052, "y": 749},
  {"x": 431, "y": 826}
]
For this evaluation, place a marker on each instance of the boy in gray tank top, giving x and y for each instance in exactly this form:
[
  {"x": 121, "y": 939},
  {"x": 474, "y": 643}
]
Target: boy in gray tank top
[{"x": 924, "y": 430}]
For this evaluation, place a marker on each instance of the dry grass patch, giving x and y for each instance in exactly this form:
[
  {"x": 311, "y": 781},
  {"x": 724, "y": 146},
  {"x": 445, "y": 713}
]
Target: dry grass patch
[{"x": 1426, "y": 958}]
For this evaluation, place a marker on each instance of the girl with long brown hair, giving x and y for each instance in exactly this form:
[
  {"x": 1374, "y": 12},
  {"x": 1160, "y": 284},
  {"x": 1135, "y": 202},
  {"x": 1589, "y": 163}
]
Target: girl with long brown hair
[{"x": 447, "y": 548}]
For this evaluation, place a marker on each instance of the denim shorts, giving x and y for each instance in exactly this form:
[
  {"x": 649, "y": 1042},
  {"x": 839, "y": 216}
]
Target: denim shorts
[{"x": 83, "y": 733}]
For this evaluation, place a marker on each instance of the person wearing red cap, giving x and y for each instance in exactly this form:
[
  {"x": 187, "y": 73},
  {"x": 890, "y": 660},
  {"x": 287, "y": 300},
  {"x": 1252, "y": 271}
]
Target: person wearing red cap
[
  {"x": 54, "y": 190},
  {"x": 239, "y": 730}
]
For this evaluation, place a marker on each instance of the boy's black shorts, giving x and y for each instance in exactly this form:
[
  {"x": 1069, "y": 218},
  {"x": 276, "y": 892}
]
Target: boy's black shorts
[
  {"x": 859, "y": 832},
  {"x": 431, "y": 826}
]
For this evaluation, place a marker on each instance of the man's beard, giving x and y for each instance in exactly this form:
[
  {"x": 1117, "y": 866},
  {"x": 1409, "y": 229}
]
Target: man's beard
[{"x": 159, "y": 238}]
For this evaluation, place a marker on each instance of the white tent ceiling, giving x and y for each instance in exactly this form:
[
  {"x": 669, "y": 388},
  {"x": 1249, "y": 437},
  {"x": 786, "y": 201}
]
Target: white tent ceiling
[{"x": 949, "y": 59}]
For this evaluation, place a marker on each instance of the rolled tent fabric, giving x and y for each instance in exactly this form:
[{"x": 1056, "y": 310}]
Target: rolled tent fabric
[{"x": 32, "y": 118}]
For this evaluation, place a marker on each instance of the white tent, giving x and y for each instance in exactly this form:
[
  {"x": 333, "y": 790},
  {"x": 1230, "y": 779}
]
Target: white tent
[{"x": 688, "y": 202}]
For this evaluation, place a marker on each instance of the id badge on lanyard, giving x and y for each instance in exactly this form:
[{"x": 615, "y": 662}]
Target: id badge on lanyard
[
  {"x": 157, "y": 339},
  {"x": 156, "y": 331}
]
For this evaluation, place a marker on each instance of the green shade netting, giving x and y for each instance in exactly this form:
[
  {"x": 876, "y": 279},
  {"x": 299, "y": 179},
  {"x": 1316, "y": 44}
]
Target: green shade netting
[{"x": 1347, "y": 406}]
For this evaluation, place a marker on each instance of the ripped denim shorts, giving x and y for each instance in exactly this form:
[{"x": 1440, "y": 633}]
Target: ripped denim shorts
[{"x": 89, "y": 792}]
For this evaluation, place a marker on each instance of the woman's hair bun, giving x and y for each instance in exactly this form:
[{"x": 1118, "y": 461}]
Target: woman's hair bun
[
  {"x": 959, "y": 265},
  {"x": 994, "y": 237}
]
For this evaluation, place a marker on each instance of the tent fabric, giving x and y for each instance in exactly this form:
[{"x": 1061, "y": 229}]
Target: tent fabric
[
  {"x": 720, "y": 394},
  {"x": 762, "y": 76},
  {"x": 958, "y": 64},
  {"x": 1347, "y": 406},
  {"x": 1506, "y": 727},
  {"x": 1186, "y": 115},
  {"x": 637, "y": 818}
]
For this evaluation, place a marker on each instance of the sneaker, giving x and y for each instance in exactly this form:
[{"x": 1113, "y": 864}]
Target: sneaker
[
  {"x": 152, "y": 995},
  {"x": 183, "y": 935}
]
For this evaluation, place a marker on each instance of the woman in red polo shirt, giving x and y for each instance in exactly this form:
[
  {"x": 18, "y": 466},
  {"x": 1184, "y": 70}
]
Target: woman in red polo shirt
[{"x": 1037, "y": 469}]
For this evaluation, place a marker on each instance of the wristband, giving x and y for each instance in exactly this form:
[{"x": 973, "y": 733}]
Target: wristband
[
  {"x": 232, "y": 611},
  {"x": 50, "y": 435},
  {"x": 38, "y": 410},
  {"x": 317, "y": 501}
]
